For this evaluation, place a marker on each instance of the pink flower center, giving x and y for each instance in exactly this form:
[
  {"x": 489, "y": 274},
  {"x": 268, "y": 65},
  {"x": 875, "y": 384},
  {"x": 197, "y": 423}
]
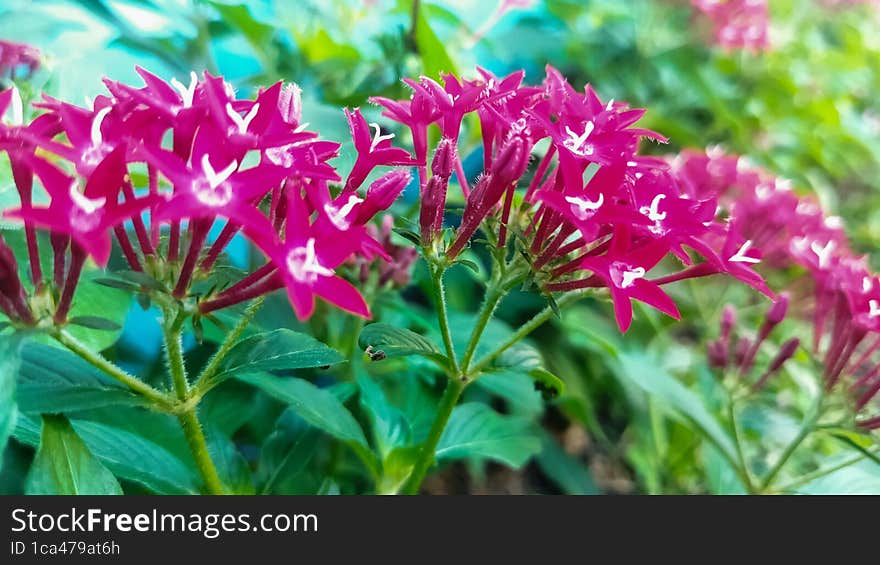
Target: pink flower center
[
  {"x": 212, "y": 189},
  {"x": 624, "y": 275},
  {"x": 303, "y": 264},
  {"x": 577, "y": 144},
  {"x": 338, "y": 215},
  {"x": 86, "y": 213},
  {"x": 583, "y": 208}
]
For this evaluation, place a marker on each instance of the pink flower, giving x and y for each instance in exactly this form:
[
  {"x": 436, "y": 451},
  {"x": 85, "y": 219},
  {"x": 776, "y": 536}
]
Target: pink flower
[
  {"x": 373, "y": 149},
  {"x": 624, "y": 269},
  {"x": 306, "y": 260},
  {"x": 85, "y": 215}
]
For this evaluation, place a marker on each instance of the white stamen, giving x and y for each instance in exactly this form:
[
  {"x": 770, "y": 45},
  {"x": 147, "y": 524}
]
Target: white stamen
[
  {"x": 583, "y": 208},
  {"x": 301, "y": 128},
  {"x": 610, "y": 105},
  {"x": 302, "y": 263},
  {"x": 242, "y": 123},
  {"x": 378, "y": 137},
  {"x": 17, "y": 107},
  {"x": 652, "y": 211},
  {"x": 187, "y": 93},
  {"x": 97, "y": 138},
  {"x": 83, "y": 202},
  {"x": 631, "y": 276},
  {"x": 338, "y": 215},
  {"x": 833, "y": 222},
  {"x": 214, "y": 178},
  {"x": 575, "y": 143},
  {"x": 867, "y": 284},
  {"x": 741, "y": 257},
  {"x": 874, "y": 307},
  {"x": 633, "y": 163},
  {"x": 823, "y": 252}
]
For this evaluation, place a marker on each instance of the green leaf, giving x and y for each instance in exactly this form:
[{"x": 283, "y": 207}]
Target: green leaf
[
  {"x": 113, "y": 305},
  {"x": 230, "y": 463},
  {"x": 435, "y": 59},
  {"x": 95, "y": 323},
  {"x": 127, "y": 454},
  {"x": 316, "y": 406},
  {"x": 278, "y": 350},
  {"x": 517, "y": 389},
  {"x": 143, "y": 280},
  {"x": 857, "y": 441},
  {"x": 53, "y": 380},
  {"x": 521, "y": 357},
  {"x": 648, "y": 375},
  {"x": 388, "y": 424},
  {"x": 409, "y": 235},
  {"x": 549, "y": 385},
  {"x": 10, "y": 361},
  {"x": 569, "y": 474},
  {"x": 859, "y": 478},
  {"x": 114, "y": 283},
  {"x": 399, "y": 342},
  {"x": 285, "y": 456},
  {"x": 64, "y": 465},
  {"x": 477, "y": 431}
]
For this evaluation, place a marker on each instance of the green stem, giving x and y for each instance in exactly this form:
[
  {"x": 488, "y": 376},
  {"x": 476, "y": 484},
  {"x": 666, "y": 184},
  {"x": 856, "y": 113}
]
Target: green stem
[
  {"x": 425, "y": 459},
  {"x": 443, "y": 315},
  {"x": 525, "y": 330},
  {"x": 98, "y": 361},
  {"x": 203, "y": 382},
  {"x": 743, "y": 471},
  {"x": 807, "y": 427},
  {"x": 195, "y": 438},
  {"x": 493, "y": 297},
  {"x": 188, "y": 418}
]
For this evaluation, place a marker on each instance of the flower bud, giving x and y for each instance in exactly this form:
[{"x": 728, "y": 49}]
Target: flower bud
[
  {"x": 511, "y": 161},
  {"x": 290, "y": 103},
  {"x": 741, "y": 353},
  {"x": 433, "y": 206},
  {"x": 444, "y": 158},
  {"x": 717, "y": 352},
  {"x": 728, "y": 320},
  {"x": 785, "y": 353},
  {"x": 382, "y": 194},
  {"x": 777, "y": 312}
]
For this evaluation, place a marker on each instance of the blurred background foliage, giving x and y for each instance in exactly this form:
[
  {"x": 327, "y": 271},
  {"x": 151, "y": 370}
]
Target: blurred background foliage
[{"x": 642, "y": 412}]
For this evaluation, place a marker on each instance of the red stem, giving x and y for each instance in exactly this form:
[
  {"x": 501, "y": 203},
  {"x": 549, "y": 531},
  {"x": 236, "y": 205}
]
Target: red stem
[{"x": 77, "y": 259}]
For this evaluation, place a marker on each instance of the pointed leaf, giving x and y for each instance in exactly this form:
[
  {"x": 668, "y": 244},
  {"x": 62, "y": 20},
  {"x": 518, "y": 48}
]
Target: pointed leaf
[
  {"x": 476, "y": 431},
  {"x": 64, "y": 465},
  {"x": 278, "y": 350}
]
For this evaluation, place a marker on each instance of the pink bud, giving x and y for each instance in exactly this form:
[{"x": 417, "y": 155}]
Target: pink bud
[
  {"x": 511, "y": 161},
  {"x": 290, "y": 103},
  {"x": 444, "y": 158},
  {"x": 728, "y": 320},
  {"x": 382, "y": 193},
  {"x": 777, "y": 312},
  {"x": 785, "y": 353},
  {"x": 433, "y": 206},
  {"x": 741, "y": 353},
  {"x": 717, "y": 353}
]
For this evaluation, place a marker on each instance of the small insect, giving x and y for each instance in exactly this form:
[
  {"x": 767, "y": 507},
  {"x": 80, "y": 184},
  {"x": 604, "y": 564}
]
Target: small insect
[{"x": 374, "y": 354}]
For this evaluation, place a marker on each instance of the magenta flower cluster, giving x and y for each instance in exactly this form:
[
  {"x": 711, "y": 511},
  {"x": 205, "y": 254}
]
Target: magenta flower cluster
[
  {"x": 593, "y": 213},
  {"x": 793, "y": 230},
  {"x": 737, "y": 24},
  {"x": 204, "y": 155}
]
